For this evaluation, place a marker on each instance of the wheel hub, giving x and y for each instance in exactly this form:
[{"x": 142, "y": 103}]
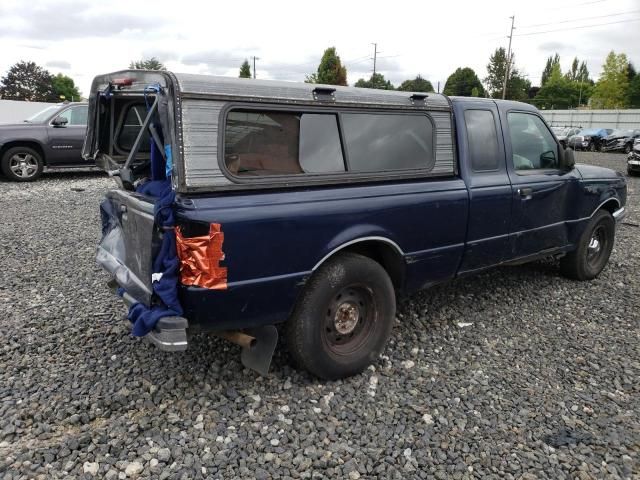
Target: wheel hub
[
  {"x": 23, "y": 165},
  {"x": 594, "y": 244},
  {"x": 346, "y": 318}
]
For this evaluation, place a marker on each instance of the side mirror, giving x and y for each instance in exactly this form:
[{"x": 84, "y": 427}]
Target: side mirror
[
  {"x": 548, "y": 159},
  {"x": 60, "y": 121},
  {"x": 568, "y": 159}
]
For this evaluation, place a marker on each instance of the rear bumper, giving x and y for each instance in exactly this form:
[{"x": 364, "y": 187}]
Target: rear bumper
[{"x": 169, "y": 334}]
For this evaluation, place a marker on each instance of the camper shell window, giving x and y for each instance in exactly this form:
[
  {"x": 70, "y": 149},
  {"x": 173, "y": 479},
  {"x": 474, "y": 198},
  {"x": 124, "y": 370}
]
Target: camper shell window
[{"x": 260, "y": 143}]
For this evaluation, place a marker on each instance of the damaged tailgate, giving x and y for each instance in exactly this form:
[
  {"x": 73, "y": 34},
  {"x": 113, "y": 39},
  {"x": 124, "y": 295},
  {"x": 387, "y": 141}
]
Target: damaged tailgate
[{"x": 129, "y": 239}]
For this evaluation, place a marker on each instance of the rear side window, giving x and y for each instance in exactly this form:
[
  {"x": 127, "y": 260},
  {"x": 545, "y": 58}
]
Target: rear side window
[
  {"x": 378, "y": 142},
  {"x": 282, "y": 143},
  {"x": 482, "y": 140},
  {"x": 263, "y": 143}
]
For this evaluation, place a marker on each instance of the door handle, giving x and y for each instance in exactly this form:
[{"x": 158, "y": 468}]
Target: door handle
[{"x": 526, "y": 193}]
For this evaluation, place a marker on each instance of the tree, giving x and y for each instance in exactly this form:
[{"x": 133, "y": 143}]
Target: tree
[
  {"x": 330, "y": 70},
  {"x": 377, "y": 81},
  {"x": 546, "y": 73},
  {"x": 633, "y": 91},
  {"x": 557, "y": 91},
  {"x": 418, "y": 84},
  {"x": 147, "y": 64},
  {"x": 65, "y": 88},
  {"x": 27, "y": 81},
  {"x": 517, "y": 86},
  {"x": 611, "y": 90},
  {"x": 245, "y": 70},
  {"x": 462, "y": 82}
]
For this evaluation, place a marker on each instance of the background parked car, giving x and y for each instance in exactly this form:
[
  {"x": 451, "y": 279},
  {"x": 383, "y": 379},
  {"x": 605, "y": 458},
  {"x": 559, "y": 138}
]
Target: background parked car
[
  {"x": 52, "y": 137},
  {"x": 620, "y": 141},
  {"x": 633, "y": 159},
  {"x": 563, "y": 133},
  {"x": 589, "y": 139}
]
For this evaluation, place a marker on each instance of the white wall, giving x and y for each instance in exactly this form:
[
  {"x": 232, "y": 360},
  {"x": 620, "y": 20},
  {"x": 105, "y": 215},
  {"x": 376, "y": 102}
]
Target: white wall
[
  {"x": 12, "y": 111},
  {"x": 624, "y": 119}
]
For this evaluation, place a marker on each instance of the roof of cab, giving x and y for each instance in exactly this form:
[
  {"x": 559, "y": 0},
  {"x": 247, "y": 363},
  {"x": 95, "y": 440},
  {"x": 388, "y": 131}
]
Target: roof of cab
[
  {"x": 275, "y": 91},
  {"x": 515, "y": 105}
]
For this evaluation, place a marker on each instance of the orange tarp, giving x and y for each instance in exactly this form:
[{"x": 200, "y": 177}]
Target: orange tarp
[{"x": 200, "y": 259}]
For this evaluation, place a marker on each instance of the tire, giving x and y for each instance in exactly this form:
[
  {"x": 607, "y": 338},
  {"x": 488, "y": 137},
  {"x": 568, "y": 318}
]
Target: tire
[
  {"x": 631, "y": 173},
  {"x": 594, "y": 249},
  {"x": 343, "y": 319},
  {"x": 627, "y": 148},
  {"x": 21, "y": 164},
  {"x": 592, "y": 147}
]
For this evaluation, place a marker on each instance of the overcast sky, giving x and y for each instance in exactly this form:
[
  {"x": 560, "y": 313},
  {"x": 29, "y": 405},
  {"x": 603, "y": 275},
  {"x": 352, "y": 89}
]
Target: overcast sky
[{"x": 82, "y": 38}]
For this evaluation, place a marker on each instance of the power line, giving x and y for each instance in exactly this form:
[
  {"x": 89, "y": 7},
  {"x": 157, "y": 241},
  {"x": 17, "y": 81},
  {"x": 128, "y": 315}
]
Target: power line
[
  {"x": 579, "y": 19},
  {"x": 577, "y": 28}
]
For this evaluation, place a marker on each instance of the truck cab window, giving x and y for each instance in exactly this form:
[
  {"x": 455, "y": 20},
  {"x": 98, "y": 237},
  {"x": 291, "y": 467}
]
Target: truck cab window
[
  {"x": 532, "y": 144},
  {"x": 482, "y": 140}
]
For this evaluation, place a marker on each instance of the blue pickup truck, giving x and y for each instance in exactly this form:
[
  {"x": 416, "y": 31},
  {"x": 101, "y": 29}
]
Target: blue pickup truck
[{"x": 247, "y": 207}]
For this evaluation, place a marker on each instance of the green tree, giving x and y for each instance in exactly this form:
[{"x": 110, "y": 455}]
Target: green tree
[
  {"x": 546, "y": 73},
  {"x": 633, "y": 95},
  {"x": 330, "y": 70},
  {"x": 558, "y": 91},
  {"x": 245, "y": 70},
  {"x": 462, "y": 82},
  {"x": 147, "y": 64},
  {"x": 28, "y": 81},
  {"x": 377, "y": 81},
  {"x": 65, "y": 88},
  {"x": 418, "y": 84},
  {"x": 517, "y": 85},
  {"x": 611, "y": 90}
]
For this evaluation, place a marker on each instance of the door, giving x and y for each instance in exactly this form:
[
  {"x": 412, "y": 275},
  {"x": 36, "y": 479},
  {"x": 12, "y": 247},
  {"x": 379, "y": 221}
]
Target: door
[
  {"x": 541, "y": 189},
  {"x": 485, "y": 172},
  {"x": 65, "y": 141}
]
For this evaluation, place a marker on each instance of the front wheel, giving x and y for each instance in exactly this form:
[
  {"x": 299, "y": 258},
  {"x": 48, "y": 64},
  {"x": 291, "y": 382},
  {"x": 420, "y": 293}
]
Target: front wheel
[
  {"x": 343, "y": 320},
  {"x": 627, "y": 148},
  {"x": 22, "y": 164},
  {"x": 594, "y": 249},
  {"x": 592, "y": 147}
]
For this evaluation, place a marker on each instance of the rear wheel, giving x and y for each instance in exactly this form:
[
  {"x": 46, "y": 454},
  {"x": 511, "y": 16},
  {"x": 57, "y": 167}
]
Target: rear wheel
[
  {"x": 592, "y": 147},
  {"x": 594, "y": 249},
  {"x": 21, "y": 164},
  {"x": 344, "y": 318},
  {"x": 631, "y": 173},
  {"x": 627, "y": 148}
]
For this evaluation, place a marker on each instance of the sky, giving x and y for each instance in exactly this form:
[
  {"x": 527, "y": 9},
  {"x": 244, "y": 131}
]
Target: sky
[{"x": 83, "y": 38}]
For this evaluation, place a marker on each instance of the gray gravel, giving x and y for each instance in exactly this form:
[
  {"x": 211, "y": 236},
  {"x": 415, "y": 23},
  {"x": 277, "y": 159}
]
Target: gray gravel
[{"x": 517, "y": 373}]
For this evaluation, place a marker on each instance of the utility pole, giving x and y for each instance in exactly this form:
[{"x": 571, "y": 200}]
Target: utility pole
[
  {"x": 508, "y": 64},
  {"x": 254, "y": 65},
  {"x": 438, "y": 86},
  {"x": 375, "y": 56}
]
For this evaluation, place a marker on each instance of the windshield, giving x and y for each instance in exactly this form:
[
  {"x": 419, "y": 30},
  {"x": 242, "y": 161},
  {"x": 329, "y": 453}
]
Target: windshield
[{"x": 42, "y": 115}]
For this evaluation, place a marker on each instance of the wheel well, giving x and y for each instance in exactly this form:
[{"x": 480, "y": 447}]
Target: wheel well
[
  {"x": 385, "y": 254},
  {"x": 20, "y": 143},
  {"x": 610, "y": 205}
]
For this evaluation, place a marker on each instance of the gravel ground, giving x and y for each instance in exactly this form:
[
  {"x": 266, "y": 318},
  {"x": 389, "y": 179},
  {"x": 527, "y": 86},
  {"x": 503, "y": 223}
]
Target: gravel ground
[{"x": 517, "y": 373}]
